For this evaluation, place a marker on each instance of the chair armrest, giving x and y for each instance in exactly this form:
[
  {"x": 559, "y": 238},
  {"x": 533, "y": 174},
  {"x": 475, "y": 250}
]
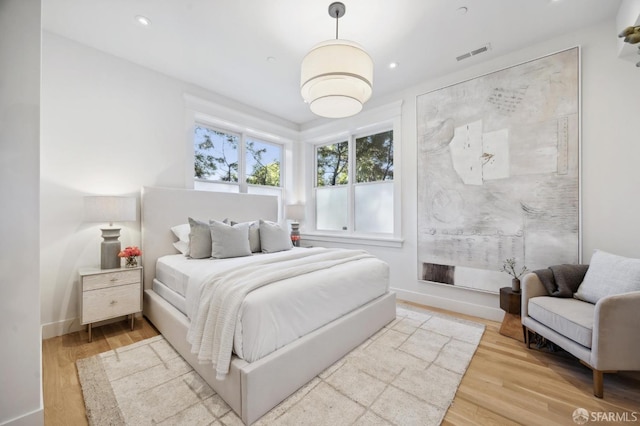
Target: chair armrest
[
  {"x": 531, "y": 287},
  {"x": 616, "y": 341}
]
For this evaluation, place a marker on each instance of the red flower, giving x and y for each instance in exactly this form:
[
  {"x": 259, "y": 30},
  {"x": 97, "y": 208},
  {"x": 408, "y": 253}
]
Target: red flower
[{"x": 130, "y": 252}]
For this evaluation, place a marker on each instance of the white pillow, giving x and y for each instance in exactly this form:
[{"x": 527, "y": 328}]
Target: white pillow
[
  {"x": 273, "y": 237},
  {"x": 229, "y": 241},
  {"x": 182, "y": 247},
  {"x": 182, "y": 234},
  {"x": 609, "y": 274}
]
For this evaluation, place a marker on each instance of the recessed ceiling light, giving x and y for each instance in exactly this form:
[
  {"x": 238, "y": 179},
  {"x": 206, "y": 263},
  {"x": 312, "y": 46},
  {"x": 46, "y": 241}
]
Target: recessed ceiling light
[
  {"x": 393, "y": 65},
  {"x": 462, "y": 10},
  {"x": 271, "y": 59},
  {"x": 143, "y": 20}
]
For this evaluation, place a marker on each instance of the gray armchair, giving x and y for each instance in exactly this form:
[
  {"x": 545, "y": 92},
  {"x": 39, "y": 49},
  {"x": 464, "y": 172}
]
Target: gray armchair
[{"x": 604, "y": 336}]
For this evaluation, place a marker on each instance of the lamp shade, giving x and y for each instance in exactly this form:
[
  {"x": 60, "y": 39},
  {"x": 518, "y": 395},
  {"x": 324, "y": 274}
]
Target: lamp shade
[
  {"x": 109, "y": 209},
  {"x": 336, "y": 78},
  {"x": 294, "y": 212}
]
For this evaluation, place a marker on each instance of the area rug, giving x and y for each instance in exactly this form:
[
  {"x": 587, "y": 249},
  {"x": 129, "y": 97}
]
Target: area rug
[{"x": 406, "y": 374}]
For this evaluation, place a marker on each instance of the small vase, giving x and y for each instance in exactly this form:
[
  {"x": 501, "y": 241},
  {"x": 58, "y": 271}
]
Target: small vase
[
  {"x": 131, "y": 262},
  {"x": 515, "y": 285}
]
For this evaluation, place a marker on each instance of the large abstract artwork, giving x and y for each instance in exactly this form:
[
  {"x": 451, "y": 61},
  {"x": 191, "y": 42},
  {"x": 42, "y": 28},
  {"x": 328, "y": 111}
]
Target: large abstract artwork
[{"x": 498, "y": 173}]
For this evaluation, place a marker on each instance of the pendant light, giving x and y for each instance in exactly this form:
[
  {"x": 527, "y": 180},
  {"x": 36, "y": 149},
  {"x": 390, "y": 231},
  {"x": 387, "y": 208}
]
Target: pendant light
[{"x": 336, "y": 75}]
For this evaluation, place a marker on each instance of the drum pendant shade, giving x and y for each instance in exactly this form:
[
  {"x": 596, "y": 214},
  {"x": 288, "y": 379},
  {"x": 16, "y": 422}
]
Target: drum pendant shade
[{"x": 336, "y": 76}]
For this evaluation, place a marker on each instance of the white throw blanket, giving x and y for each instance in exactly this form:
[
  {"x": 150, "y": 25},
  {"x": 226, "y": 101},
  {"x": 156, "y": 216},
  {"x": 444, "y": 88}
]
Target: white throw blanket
[{"x": 212, "y": 327}]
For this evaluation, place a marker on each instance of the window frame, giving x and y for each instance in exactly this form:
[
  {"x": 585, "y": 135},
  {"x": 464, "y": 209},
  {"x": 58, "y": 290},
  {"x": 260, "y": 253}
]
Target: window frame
[
  {"x": 242, "y": 135},
  {"x": 351, "y": 235}
]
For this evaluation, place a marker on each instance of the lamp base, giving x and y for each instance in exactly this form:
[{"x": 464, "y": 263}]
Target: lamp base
[
  {"x": 295, "y": 234},
  {"x": 109, "y": 248}
]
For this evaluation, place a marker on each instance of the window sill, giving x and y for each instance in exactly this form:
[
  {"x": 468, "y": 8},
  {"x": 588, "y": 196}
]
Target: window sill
[{"x": 361, "y": 240}]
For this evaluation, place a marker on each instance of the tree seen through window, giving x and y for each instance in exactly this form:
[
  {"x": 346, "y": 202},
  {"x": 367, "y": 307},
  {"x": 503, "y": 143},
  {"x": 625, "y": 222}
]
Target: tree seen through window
[
  {"x": 263, "y": 163},
  {"x": 374, "y": 157},
  {"x": 332, "y": 162},
  {"x": 216, "y": 155},
  {"x": 216, "y": 158}
]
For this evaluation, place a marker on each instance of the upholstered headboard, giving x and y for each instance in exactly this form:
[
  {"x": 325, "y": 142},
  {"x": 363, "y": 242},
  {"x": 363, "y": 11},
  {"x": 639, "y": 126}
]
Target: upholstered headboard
[{"x": 163, "y": 208}]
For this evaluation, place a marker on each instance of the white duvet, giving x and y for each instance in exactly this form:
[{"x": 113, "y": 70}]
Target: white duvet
[{"x": 273, "y": 315}]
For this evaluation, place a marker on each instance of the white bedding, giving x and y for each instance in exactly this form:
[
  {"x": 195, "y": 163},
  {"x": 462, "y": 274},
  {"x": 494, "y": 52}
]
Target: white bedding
[
  {"x": 275, "y": 315},
  {"x": 177, "y": 300}
]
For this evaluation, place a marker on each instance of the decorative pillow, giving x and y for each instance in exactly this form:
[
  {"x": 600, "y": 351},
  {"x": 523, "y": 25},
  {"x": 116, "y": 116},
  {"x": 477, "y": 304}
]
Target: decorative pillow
[
  {"x": 254, "y": 234},
  {"x": 182, "y": 247},
  {"x": 274, "y": 237},
  {"x": 199, "y": 239},
  {"x": 229, "y": 241},
  {"x": 609, "y": 274},
  {"x": 182, "y": 234}
]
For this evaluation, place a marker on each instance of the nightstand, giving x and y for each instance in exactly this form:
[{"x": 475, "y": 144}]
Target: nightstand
[
  {"x": 109, "y": 293},
  {"x": 510, "y": 304}
]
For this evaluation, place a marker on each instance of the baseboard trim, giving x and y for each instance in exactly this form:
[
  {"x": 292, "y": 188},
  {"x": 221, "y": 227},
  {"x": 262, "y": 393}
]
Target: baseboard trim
[
  {"x": 59, "y": 328},
  {"x": 486, "y": 312},
  {"x": 33, "y": 418}
]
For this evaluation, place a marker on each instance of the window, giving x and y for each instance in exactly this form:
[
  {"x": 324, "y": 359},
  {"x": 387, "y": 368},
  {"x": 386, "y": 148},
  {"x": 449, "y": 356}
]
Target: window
[
  {"x": 373, "y": 190},
  {"x": 216, "y": 155},
  {"x": 332, "y": 176},
  {"x": 263, "y": 163},
  {"x": 374, "y": 157},
  {"x": 332, "y": 163},
  {"x": 354, "y": 188},
  {"x": 235, "y": 162}
]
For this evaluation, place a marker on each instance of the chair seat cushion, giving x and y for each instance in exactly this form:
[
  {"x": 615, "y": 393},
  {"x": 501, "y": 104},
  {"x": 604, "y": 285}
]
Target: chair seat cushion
[{"x": 570, "y": 317}]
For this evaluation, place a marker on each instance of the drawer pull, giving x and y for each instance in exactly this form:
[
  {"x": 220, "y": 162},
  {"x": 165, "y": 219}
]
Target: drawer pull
[{"x": 113, "y": 302}]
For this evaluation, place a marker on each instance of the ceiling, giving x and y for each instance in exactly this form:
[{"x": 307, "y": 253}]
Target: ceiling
[{"x": 251, "y": 50}]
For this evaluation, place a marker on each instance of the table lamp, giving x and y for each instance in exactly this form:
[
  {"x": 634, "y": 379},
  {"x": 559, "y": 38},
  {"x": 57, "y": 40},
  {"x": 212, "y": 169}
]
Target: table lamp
[
  {"x": 294, "y": 212},
  {"x": 110, "y": 209}
]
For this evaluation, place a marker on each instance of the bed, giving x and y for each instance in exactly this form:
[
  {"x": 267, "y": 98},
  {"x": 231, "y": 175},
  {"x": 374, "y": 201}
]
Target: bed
[{"x": 258, "y": 377}]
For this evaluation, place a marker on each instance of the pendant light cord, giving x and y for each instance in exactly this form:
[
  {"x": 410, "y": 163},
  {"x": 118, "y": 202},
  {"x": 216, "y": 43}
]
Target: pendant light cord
[{"x": 337, "y": 17}]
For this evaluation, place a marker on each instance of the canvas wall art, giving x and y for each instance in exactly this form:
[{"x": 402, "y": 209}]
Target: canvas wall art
[{"x": 498, "y": 173}]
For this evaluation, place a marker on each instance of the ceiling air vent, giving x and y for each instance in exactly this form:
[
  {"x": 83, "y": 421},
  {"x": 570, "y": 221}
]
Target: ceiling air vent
[{"x": 475, "y": 52}]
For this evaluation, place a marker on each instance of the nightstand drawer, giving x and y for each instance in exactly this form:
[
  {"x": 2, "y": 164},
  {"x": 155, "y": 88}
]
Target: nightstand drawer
[
  {"x": 98, "y": 281},
  {"x": 110, "y": 302}
]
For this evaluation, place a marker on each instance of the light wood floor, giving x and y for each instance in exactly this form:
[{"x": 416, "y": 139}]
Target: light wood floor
[
  {"x": 505, "y": 383},
  {"x": 63, "y": 403}
]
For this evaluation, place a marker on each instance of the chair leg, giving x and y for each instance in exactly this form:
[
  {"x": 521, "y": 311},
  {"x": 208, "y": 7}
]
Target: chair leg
[
  {"x": 598, "y": 383},
  {"x": 527, "y": 337}
]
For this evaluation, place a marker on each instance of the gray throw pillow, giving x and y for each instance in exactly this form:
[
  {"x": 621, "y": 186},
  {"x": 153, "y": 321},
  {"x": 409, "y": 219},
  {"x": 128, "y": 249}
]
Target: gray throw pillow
[
  {"x": 609, "y": 274},
  {"x": 273, "y": 237},
  {"x": 254, "y": 235},
  {"x": 199, "y": 239},
  {"x": 229, "y": 241}
]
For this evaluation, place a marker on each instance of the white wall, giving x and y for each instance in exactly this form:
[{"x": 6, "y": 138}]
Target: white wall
[
  {"x": 610, "y": 173},
  {"x": 109, "y": 127},
  {"x": 20, "y": 366}
]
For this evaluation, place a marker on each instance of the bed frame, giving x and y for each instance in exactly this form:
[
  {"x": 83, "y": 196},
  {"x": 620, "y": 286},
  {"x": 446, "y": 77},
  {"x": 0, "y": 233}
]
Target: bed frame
[{"x": 250, "y": 389}]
